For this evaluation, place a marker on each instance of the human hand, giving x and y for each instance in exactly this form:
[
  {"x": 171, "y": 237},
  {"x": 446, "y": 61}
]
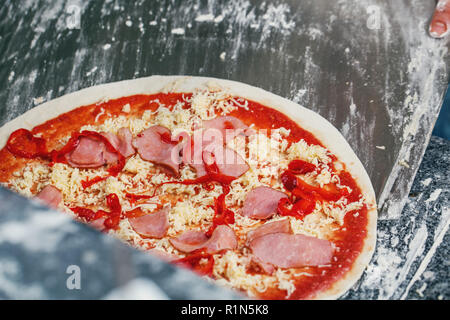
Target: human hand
[{"x": 440, "y": 23}]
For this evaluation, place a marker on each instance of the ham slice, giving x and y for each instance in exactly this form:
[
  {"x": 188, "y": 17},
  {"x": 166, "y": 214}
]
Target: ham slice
[
  {"x": 189, "y": 241},
  {"x": 229, "y": 127},
  {"x": 154, "y": 145},
  {"x": 92, "y": 153},
  {"x": 125, "y": 146},
  {"x": 280, "y": 226},
  {"x": 262, "y": 202},
  {"x": 222, "y": 238},
  {"x": 292, "y": 250},
  {"x": 260, "y": 266},
  {"x": 227, "y": 160},
  {"x": 154, "y": 225},
  {"x": 209, "y": 145},
  {"x": 50, "y": 195},
  {"x": 122, "y": 142},
  {"x": 88, "y": 154},
  {"x": 192, "y": 152}
]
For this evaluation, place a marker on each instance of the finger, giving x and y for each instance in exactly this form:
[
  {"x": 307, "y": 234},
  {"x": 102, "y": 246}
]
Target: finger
[{"x": 440, "y": 23}]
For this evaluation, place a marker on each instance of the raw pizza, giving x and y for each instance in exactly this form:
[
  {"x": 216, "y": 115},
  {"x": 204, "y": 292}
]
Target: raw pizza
[{"x": 226, "y": 184}]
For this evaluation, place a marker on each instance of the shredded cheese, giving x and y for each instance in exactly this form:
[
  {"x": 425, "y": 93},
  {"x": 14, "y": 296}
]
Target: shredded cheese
[{"x": 311, "y": 153}]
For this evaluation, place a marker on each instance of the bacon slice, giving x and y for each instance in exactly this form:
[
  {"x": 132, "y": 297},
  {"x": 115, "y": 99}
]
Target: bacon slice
[
  {"x": 229, "y": 127},
  {"x": 262, "y": 202},
  {"x": 280, "y": 226},
  {"x": 50, "y": 195},
  {"x": 292, "y": 250},
  {"x": 154, "y": 225},
  {"x": 88, "y": 154},
  {"x": 222, "y": 238},
  {"x": 154, "y": 145}
]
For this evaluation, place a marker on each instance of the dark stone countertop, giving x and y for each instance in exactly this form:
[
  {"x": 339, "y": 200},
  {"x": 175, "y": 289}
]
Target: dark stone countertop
[
  {"x": 40, "y": 249},
  {"x": 411, "y": 260}
]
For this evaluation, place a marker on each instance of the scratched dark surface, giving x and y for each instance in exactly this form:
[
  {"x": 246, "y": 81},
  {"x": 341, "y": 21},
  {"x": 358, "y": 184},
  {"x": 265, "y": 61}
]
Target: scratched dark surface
[{"x": 366, "y": 66}]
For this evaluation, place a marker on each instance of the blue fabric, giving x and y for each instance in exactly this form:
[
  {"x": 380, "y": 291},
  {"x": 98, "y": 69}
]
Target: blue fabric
[{"x": 442, "y": 127}]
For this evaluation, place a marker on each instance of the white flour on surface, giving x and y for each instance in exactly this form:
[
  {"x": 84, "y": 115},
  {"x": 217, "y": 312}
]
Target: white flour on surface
[{"x": 434, "y": 195}]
